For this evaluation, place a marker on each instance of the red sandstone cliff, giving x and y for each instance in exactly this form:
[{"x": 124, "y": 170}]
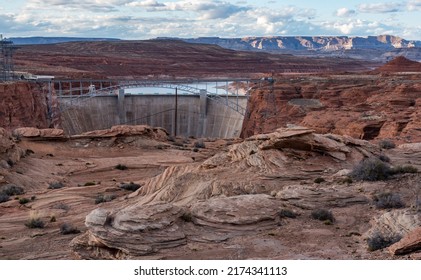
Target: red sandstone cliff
[
  {"x": 367, "y": 107},
  {"x": 25, "y": 104}
]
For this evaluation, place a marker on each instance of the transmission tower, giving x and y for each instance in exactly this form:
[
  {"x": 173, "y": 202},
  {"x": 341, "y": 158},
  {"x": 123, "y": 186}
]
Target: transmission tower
[{"x": 6, "y": 59}]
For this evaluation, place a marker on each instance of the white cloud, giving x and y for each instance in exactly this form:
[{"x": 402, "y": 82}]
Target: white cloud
[
  {"x": 147, "y": 3},
  {"x": 358, "y": 27},
  {"x": 205, "y": 8},
  {"x": 380, "y": 8},
  {"x": 100, "y": 6},
  {"x": 414, "y": 5},
  {"x": 345, "y": 12}
]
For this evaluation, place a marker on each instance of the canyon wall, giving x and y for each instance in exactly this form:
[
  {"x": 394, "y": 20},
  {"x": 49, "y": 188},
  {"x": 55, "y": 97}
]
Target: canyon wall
[
  {"x": 364, "y": 106},
  {"x": 25, "y": 104}
]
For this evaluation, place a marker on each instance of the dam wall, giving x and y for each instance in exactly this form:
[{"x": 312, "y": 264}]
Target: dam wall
[{"x": 187, "y": 115}]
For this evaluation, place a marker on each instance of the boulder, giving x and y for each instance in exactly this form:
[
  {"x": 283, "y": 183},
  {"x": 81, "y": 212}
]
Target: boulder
[
  {"x": 135, "y": 230},
  {"x": 410, "y": 147},
  {"x": 397, "y": 222},
  {"x": 10, "y": 152},
  {"x": 411, "y": 242},
  {"x": 46, "y": 133}
]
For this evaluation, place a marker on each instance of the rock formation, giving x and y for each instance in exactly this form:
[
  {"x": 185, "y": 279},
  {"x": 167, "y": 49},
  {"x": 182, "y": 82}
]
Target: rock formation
[
  {"x": 40, "y": 134},
  {"x": 234, "y": 193},
  {"x": 368, "y": 107},
  {"x": 315, "y": 43},
  {"x": 10, "y": 152},
  {"x": 156, "y": 133},
  {"x": 409, "y": 243},
  {"x": 378, "y": 48},
  {"x": 400, "y": 64},
  {"x": 25, "y": 104}
]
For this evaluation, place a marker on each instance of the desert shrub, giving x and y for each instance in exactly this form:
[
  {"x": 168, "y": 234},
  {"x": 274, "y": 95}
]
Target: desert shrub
[
  {"x": 401, "y": 169},
  {"x": 371, "y": 169},
  {"x": 68, "y": 229},
  {"x": 121, "y": 167},
  {"x": 87, "y": 184},
  {"x": 23, "y": 200},
  {"x": 384, "y": 158},
  {"x": 187, "y": 217},
  {"x": 56, "y": 185},
  {"x": 4, "y": 197},
  {"x": 104, "y": 198},
  {"x": 346, "y": 180},
  {"x": 199, "y": 144},
  {"x": 35, "y": 223},
  {"x": 387, "y": 200},
  {"x": 286, "y": 213},
  {"x": 130, "y": 186},
  {"x": 160, "y": 147},
  {"x": 378, "y": 241},
  {"x": 195, "y": 150},
  {"x": 11, "y": 189},
  {"x": 387, "y": 144},
  {"x": 322, "y": 215},
  {"x": 319, "y": 180},
  {"x": 62, "y": 206},
  {"x": 178, "y": 144}
]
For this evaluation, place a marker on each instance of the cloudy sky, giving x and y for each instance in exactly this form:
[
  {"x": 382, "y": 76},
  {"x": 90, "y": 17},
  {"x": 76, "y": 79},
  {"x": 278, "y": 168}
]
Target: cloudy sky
[{"x": 144, "y": 19}]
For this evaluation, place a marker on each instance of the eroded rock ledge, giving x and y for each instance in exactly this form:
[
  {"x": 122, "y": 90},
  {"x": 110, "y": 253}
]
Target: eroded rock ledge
[{"x": 238, "y": 191}]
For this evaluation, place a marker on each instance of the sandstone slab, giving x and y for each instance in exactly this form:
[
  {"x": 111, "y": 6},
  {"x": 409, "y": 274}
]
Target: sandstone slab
[{"x": 408, "y": 244}]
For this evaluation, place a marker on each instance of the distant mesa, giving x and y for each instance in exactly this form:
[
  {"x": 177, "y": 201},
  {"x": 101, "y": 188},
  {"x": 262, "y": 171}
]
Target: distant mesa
[
  {"x": 55, "y": 40},
  {"x": 400, "y": 64}
]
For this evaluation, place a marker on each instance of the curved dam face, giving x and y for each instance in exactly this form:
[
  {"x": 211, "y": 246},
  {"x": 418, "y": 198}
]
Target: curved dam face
[{"x": 190, "y": 115}]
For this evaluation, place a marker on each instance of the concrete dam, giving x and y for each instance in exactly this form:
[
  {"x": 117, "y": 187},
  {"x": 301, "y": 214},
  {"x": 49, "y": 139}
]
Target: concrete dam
[{"x": 198, "y": 115}]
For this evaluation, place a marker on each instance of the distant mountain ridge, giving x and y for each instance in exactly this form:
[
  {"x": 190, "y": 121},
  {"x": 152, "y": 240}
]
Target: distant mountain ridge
[
  {"x": 54, "y": 40},
  {"x": 309, "y": 43},
  {"x": 381, "y": 48}
]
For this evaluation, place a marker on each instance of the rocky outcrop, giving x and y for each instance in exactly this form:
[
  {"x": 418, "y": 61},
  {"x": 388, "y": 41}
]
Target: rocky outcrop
[
  {"x": 36, "y": 133},
  {"x": 145, "y": 229},
  {"x": 400, "y": 64},
  {"x": 394, "y": 225},
  {"x": 10, "y": 152},
  {"x": 156, "y": 133},
  {"x": 375, "y": 107},
  {"x": 408, "y": 244},
  {"x": 234, "y": 193},
  {"x": 397, "y": 222},
  {"x": 25, "y": 104}
]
